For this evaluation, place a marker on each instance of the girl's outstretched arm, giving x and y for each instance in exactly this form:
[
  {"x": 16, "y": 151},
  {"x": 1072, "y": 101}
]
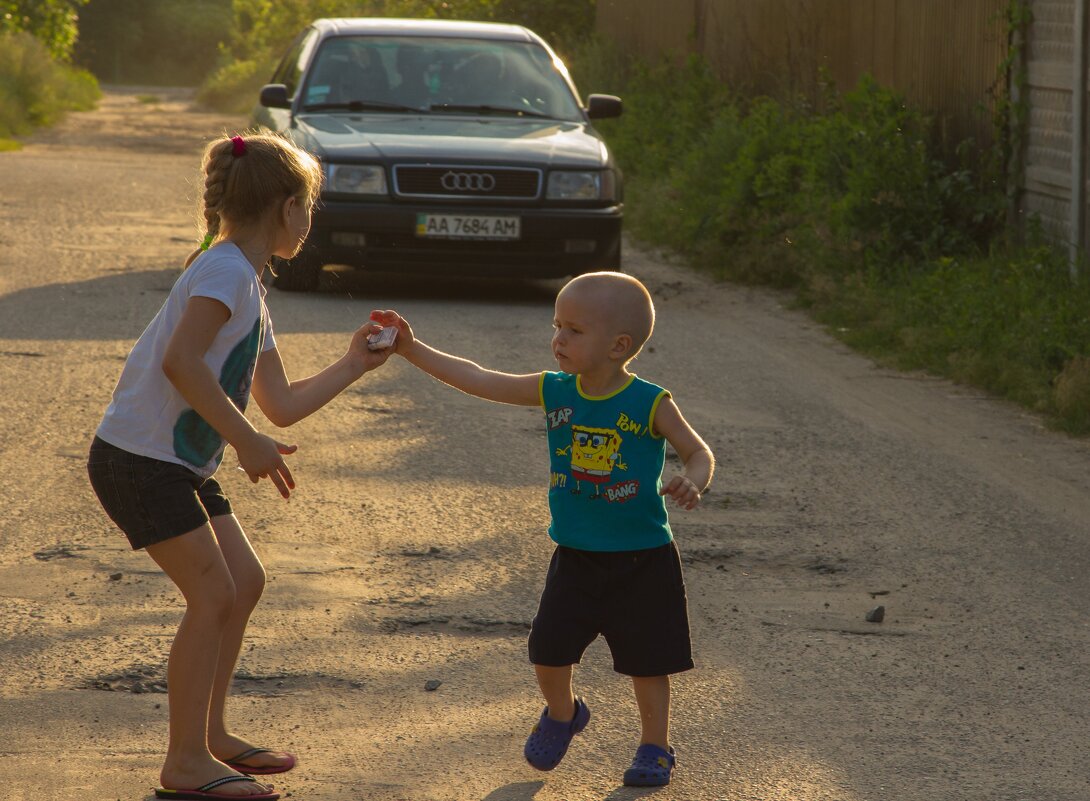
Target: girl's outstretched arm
[
  {"x": 469, "y": 377},
  {"x": 285, "y": 402}
]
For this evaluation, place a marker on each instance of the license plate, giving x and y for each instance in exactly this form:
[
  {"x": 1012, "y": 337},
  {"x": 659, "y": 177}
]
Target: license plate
[{"x": 467, "y": 226}]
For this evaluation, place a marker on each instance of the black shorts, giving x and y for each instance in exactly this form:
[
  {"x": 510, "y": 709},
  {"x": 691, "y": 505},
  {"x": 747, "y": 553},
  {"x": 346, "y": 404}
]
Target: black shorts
[
  {"x": 635, "y": 599},
  {"x": 149, "y": 499}
]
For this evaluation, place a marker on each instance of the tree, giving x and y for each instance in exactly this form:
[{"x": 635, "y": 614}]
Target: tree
[
  {"x": 165, "y": 42},
  {"x": 52, "y": 22}
]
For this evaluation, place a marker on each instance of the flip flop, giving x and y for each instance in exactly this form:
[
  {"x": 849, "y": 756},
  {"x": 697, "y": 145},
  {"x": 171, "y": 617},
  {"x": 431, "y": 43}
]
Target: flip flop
[
  {"x": 261, "y": 770},
  {"x": 204, "y": 792},
  {"x": 652, "y": 767},
  {"x": 549, "y": 739}
]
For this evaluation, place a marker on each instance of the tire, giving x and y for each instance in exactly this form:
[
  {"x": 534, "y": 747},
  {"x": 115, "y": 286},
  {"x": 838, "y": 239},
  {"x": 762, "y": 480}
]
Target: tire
[
  {"x": 300, "y": 274},
  {"x": 613, "y": 261}
]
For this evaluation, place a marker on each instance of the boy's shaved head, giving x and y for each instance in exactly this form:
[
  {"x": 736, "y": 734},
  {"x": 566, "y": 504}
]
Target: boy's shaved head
[{"x": 625, "y": 304}]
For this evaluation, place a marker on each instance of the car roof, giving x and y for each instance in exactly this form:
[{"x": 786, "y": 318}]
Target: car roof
[{"x": 382, "y": 26}]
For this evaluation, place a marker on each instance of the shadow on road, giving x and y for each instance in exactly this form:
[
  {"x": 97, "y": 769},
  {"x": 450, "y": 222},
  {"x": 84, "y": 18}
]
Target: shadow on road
[
  {"x": 357, "y": 283},
  {"x": 119, "y": 305},
  {"x": 521, "y": 791}
]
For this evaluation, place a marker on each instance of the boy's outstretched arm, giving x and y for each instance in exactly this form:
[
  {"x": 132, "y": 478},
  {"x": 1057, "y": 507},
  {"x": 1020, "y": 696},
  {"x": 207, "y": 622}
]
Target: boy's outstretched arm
[
  {"x": 469, "y": 377},
  {"x": 687, "y": 487}
]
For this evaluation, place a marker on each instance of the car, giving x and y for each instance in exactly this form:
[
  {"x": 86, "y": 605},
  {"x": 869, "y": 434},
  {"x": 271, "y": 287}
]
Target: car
[{"x": 448, "y": 148}]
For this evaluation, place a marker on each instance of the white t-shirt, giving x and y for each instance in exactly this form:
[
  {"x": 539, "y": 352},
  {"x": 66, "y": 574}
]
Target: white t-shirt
[{"x": 148, "y": 416}]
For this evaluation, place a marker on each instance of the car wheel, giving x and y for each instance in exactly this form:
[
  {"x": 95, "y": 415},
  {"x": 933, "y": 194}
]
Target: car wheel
[
  {"x": 613, "y": 260},
  {"x": 300, "y": 274}
]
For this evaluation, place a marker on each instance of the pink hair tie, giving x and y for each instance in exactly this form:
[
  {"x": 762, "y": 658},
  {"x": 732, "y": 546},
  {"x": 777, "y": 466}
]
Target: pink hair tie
[{"x": 238, "y": 146}]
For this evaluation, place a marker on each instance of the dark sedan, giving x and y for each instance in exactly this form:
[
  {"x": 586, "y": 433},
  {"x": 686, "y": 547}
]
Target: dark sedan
[{"x": 449, "y": 148}]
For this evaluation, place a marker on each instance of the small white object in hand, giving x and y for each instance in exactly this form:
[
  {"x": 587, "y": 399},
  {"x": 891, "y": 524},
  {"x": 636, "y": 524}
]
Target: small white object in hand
[{"x": 383, "y": 339}]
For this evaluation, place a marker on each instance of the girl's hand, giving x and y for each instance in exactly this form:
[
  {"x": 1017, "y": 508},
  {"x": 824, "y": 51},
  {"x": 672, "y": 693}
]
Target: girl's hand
[
  {"x": 389, "y": 317},
  {"x": 684, "y": 492},
  {"x": 263, "y": 457},
  {"x": 358, "y": 350}
]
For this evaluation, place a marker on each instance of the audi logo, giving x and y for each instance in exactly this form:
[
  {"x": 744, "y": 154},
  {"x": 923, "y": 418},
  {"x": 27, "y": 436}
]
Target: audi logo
[{"x": 468, "y": 181}]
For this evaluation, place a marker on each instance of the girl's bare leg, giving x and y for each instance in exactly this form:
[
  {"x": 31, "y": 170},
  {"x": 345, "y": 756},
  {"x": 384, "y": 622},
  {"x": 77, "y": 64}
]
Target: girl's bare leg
[
  {"x": 555, "y": 684},
  {"x": 249, "y": 579},
  {"x": 653, "y": 699},
  {"x": 195, "y": 564}
]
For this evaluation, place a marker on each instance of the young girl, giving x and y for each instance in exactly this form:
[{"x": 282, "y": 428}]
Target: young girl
[{"x": 179, "y": 402}]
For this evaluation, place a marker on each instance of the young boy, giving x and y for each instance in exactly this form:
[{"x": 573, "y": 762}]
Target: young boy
[{"x": 616, "y": 569}]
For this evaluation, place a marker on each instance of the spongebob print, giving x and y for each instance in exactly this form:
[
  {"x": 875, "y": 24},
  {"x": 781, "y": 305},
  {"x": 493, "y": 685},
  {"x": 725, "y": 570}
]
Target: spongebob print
[{"x": 595, "y": 454}]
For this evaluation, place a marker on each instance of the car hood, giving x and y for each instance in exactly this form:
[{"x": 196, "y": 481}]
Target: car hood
[{"x": 400, "y": 138}]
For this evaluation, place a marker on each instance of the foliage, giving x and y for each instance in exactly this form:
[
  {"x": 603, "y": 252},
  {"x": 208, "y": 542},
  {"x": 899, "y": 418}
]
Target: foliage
[
  {"x": 261, "y": 26},
  {"x": 781, "y": 186},
  {"x": 900, "y": 251},
  {"x": 168, "y": 42},
  {"x": 260, "y": 31},
  {"x": 35, "y": 90},
  {"x": 235, "y": 86},
  {"x": 52, "y": 22},
  {"x": 1011, "y": 107},
  {"x": 1011, "y": 321}
]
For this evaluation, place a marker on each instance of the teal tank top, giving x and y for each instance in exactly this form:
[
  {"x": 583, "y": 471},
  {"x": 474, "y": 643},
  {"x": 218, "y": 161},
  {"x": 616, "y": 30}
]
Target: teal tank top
[{"x": 606, "y": 465}]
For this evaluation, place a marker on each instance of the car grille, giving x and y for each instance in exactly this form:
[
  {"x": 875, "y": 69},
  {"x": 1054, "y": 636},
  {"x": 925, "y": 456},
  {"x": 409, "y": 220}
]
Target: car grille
[{"x": 494, "y": 183}]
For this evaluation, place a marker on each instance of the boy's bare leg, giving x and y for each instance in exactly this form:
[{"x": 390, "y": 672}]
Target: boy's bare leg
[
  {"x": 555, "y": 684},
  {"x": 195, "y": 564},
  {"x": 249, "y": 577},
  {"x": 653, "y": 699}
]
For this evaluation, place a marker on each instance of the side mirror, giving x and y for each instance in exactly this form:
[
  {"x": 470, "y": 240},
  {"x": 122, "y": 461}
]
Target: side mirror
[
  {"x": 275, "y": 95},
  {"x": 600, "y": 107}
]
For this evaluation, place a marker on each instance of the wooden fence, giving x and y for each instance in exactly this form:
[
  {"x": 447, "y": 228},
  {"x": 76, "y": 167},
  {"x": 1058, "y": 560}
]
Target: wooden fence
[
  {"x": 1049, "y": 55},
  {"x": 943, "y": 55}
]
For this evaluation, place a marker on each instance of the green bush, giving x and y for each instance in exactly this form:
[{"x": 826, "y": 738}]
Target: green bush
[
  {"x": 901, "y": 252},
  {"x": 35, "y": 90},
  {"x": 783, "y": 188},
  {"x": 235, "y": 87}
]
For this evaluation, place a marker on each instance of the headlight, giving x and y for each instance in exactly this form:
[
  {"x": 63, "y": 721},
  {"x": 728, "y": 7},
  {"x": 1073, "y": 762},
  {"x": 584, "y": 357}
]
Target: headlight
[
  {"x": 591, "y": 185},
  {"x": 357, "y": 179}
]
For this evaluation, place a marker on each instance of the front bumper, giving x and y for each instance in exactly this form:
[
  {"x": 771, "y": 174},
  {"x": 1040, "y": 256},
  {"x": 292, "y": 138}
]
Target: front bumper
[{"x": 553, "y": 242}]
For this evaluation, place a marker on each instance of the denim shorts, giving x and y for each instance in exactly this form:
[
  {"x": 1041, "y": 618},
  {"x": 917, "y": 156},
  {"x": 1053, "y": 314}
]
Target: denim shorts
[
  {"x": 634, "y": 599},
  {"x": 151, "y": 500}
]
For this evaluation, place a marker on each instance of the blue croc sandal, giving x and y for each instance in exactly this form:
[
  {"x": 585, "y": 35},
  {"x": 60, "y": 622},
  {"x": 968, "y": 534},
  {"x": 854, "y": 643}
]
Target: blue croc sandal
[
  {"x": 549, "y": 740},
  {"x": 652, "y": 767}
]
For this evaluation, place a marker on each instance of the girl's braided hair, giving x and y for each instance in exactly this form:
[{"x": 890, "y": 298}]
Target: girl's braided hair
[{"x": 245, "y": 176}]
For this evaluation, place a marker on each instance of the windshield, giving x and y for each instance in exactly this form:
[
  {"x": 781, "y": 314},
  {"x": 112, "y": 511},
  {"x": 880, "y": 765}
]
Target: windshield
[{"x": 438, "y": 75}]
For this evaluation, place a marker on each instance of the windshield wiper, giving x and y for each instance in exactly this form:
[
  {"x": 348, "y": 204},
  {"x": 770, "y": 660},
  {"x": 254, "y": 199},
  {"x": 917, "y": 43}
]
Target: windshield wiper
[
  {"x": 485, "y": 109},
  {"x": 360, "y": 105}
]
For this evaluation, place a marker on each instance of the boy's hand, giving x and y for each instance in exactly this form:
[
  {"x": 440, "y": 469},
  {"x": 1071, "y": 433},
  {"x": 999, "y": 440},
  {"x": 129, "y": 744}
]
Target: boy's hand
[
  {"x": 388, "y": 318},
  {"x": 684, "y": 492}
]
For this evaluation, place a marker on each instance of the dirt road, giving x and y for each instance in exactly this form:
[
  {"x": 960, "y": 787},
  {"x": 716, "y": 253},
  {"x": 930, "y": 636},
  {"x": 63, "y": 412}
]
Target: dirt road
[{"x": 415, "y": 545}]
